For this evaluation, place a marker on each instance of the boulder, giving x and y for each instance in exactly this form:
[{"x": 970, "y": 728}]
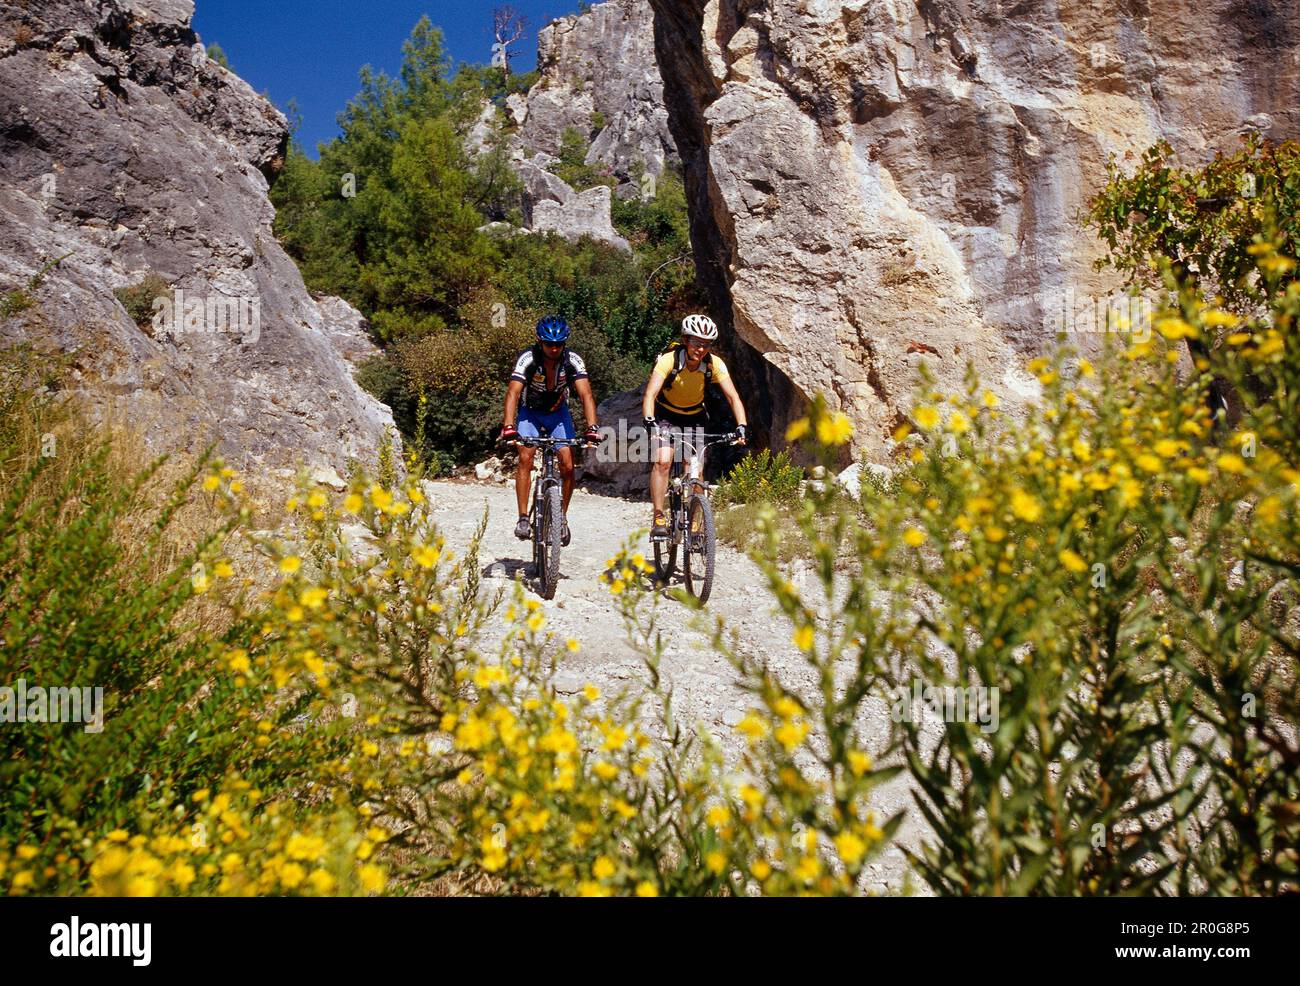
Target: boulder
[
  {"x": 850, "y": 480},
  {"x": 488, "y": 469},
  {"x": 541, "y": 186},
  {"x": 585, "y": 214},
  {"x": 620, "y": 466}
]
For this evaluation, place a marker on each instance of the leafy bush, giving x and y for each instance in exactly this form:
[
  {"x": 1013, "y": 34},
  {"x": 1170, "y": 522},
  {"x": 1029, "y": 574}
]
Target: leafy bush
[
  {"x": 390, "y": 218},
  {"x": 761, "y": 477},
  {"x": 218, "y": 55},
  {"x": 138, "y": 299},
  {"x": 573, "y": 167},
  {"x": 1109, "y": 569},
  {"x": 1198, "y": 226},
  {"x": 102, "y": 587}
]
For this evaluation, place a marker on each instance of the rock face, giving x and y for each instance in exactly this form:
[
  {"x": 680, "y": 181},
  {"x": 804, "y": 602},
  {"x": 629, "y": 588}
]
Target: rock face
[
  {"x": 581, "y": 214},
  {"x": 875, "y": 183},
  {"x": 126, "y": 152},
  {"x": 599, "y": 76}
]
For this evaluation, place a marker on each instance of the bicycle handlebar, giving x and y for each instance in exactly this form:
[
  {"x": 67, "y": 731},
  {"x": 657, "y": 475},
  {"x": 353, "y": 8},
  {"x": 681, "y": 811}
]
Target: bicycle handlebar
[
  {"x": 545, "y": 442},
  {"x": 708, "y": 441}
]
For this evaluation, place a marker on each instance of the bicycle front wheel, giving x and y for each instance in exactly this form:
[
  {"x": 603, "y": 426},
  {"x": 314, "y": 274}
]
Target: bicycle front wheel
[
  {"x": 701, "y": 548},
  {"x": 548, "y": 548},
  {"x": 666, "y": 551}
]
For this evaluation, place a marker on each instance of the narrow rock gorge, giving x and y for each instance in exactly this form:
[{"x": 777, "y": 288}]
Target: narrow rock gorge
[
  {"x": 129, "y": 159},
  {"x": 876, "y": 183}
]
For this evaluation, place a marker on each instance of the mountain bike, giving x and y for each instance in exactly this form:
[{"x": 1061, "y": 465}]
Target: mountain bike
[
  {"x": 690, "y": 517},
  {"x": 546, "y": 512}
]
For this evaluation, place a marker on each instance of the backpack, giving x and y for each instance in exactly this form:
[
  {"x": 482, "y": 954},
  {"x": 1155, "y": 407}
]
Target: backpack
[
  {"x": 679, "y": 364},
  {"x": 538, "y": 365}
]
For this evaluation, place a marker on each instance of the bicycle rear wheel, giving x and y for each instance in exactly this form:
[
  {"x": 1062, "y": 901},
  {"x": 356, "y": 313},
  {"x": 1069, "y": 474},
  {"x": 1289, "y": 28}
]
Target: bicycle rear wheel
[
  {"x": 551, "y": 529},
  {"x": 701, "y": 548}
]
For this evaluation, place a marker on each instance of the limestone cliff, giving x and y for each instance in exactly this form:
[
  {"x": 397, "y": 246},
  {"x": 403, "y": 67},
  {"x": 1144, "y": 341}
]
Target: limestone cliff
[
  {"x": 599, "y": 76},
  {"x": 124, "y": 153},
  {"x": 871, "y": 180}
]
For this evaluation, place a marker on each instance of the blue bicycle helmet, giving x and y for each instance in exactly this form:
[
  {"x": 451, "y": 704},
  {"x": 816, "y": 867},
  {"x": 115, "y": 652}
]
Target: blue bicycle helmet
[{"x": 553, "y": 329}]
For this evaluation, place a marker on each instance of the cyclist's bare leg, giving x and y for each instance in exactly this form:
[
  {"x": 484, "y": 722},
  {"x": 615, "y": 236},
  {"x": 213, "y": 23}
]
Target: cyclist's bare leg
[
  {"x": 663, "y": 464},
  {"x": 523, "y": 473},
  {"x": 565, "y": 458}
]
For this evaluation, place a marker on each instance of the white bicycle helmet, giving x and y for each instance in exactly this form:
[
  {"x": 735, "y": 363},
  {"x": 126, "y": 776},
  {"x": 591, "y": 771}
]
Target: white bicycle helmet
[{"x": 700, "y": 326}]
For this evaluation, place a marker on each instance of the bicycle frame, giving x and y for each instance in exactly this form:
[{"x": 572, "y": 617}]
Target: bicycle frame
[
  {"x": 688, "y": 502},
  {"x": 545, "y": 480},
  {"x": 689, "y": 469},
  {"x": 544, "y": 472}
]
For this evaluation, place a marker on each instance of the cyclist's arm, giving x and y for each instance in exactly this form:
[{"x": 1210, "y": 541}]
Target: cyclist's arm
[
  {"x": 652, "y": 389},
  {"x": 512, "y": 402},
  {"x": 733, "y": 398},
  {"x": 583, "y": 387}
]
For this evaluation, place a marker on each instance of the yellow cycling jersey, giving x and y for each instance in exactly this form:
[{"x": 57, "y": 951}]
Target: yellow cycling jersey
[{"x": 686, "y": 395}]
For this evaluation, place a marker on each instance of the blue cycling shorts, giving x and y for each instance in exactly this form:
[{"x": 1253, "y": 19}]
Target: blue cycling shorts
[{"x": 536, "y": 424}]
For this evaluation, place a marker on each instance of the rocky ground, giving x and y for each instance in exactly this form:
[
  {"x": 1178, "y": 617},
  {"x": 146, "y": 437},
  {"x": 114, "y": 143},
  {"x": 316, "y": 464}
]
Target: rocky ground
[{"x": 703, "y": 682}]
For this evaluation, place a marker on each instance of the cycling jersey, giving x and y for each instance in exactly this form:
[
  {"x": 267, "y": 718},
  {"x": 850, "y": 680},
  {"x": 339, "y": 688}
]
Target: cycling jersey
[
  {"x": 685, "y": 396},
  {"x": 530, "y": 370}
]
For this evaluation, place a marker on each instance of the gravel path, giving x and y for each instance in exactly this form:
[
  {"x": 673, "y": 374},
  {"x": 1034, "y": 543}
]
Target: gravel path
[{"x": 703, "y": 682}]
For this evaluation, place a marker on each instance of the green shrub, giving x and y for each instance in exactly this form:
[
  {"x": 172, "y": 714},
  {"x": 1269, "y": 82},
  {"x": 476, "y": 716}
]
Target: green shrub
[
  {"x": 218, "y": 55},
  {"x": 105, "y": 585},
  {"x": 1103, "y": 571},
  {"x": 21, "y": 299},
  {"x": 138, "y": 299},
  {"x": 573, "y": 167},
  {"x": 761, "y": 478}
]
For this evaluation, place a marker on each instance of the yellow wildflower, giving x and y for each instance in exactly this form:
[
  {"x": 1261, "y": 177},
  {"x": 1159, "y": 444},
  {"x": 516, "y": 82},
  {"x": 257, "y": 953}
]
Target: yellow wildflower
[
  {"x": 1024, "y": 506},
  {"x": 836, "y": 429},
  {"x": 1073, "y": 561}
]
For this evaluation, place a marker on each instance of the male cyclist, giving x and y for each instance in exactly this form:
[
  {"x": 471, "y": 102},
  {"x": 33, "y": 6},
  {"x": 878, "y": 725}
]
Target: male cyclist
[
  {"x": 674, "y": 400},
  {"x": 543, "y": 374}
]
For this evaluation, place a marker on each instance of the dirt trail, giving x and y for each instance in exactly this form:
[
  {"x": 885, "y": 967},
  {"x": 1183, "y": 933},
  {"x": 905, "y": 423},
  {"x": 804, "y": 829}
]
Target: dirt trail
[{"x": 703, "y": 682}]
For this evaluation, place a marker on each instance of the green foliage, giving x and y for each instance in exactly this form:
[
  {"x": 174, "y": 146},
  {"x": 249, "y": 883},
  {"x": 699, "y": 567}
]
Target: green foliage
[
  {"x": 1198, "y": 225},
  {"x": 1117, "y": 573},
  {"x": 104, "y": 575},
  {"x": 389, "y": 219},
  {"x": 761, "y": 478},
  {"x": 389, "y": 216},
  {"x": 573, "y": 167},
  {"x": 138, "y": 299},
  {"x": 15, "y": 302},
  {"x": 218, "y": 55},
  {"x": 21, "y": 299}
]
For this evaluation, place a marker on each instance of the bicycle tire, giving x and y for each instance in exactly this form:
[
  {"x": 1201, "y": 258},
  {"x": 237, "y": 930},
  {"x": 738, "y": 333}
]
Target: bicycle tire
[
  {"x": 551, "y": 534},
  {"x": 666, "y": 551},
  {"x": 701, "y": 541}
]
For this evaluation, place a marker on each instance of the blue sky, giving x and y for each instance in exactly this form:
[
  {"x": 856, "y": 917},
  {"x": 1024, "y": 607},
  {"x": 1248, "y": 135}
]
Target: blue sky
[{"x": 310, "y": 50}]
